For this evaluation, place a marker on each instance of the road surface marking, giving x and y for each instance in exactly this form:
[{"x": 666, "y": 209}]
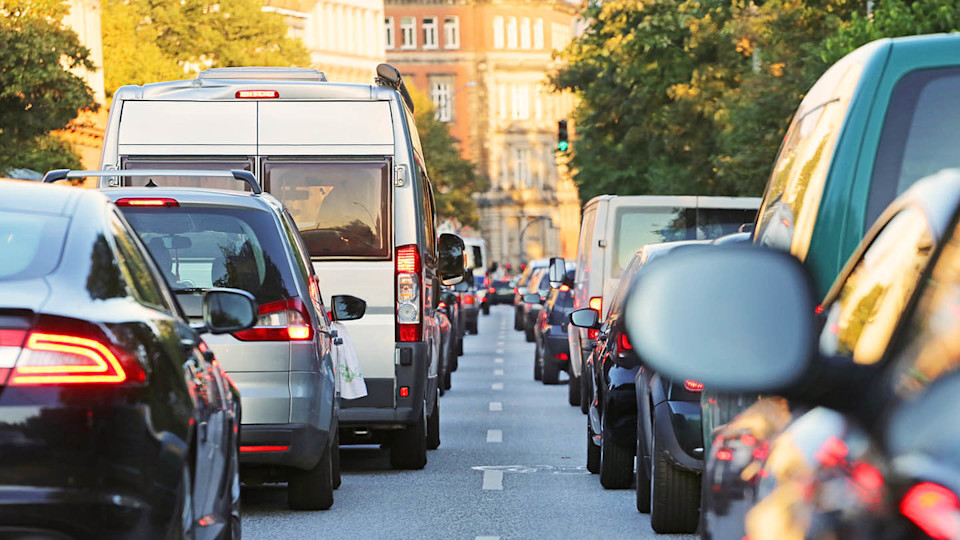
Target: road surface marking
[
  {"x": 498, "y": 372},
  {"x": 496, "y": 406},
  {"x": 499, "y": 351},
  {"x": 493, "y": 480},
  {"x": 496, "y": 386},
  {"x": 498, "y": 360},
  {"x": 499, "y": 344},
  {"x": 487, "y": 538},
  {"x": 494, "y": 435}
]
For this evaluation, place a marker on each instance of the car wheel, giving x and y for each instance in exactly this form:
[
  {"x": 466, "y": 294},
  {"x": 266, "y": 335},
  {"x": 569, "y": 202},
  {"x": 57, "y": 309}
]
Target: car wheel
[
  {"x": 337, "y": 479},
  {"x": 573, "y": 391},
  {"x": 616, "y": 462},
  {"x": 459, "y": 351},
  {"x": 312, "y": 489},
  {"x": 593, "y": 451},
  {"x": 528, "y": 333},
  {"x": 408, "y": 449},
  {"x": 446, "y": 382},
  {"x": 586, "y": 389},
  {"x": 473, "y": 328},
  {"x": 551, "y": 372},
  {"x": 674, "y": 494},
  {"x": 517, "y": 319},
  {"x": 433, "y": 427},
  {"x": 643, "y": 473},
  {"x": 486, "y": 309},
  {"x": 537, "y": 369}
]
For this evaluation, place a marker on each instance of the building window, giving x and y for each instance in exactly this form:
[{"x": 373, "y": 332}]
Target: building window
[
  {"x": 441, "y": 92},
  {"x": 498, "y": 32},
  {"x": 521, "y": 101},
  {"x": 560, "y": 35},
  {"x": 521, "y": 167},
  {"x": 524, "y": 33},
  {"x": 538, "y": 103},
  {"x": 538, "y": 34},
  {"x": 408, "y": 32},
  {"x": 511, "y": 32},
  {"x": 502, "y": 101},
  {"x": 429, "y": 32},
  {"x": 451, "y": 33}
]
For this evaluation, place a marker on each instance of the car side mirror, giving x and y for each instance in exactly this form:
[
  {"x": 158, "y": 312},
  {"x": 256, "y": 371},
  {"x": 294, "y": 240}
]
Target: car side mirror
[
  {"x": 228, "y": 310},
  {"x": 558, "y": 271},
  {"x": 450, "y": 256},
  {"x": 753, "y": 323},
  {"x": 347, "y": 308},
  {"x": 532, "y": 298},
  {"x": 585, "y": 318}
]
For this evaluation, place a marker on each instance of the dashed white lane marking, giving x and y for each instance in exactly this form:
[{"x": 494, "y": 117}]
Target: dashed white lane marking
[
  {"x": 493, "y": 480},
  {"x": 496, "y": 406},
  {"x": 487, "y": 538},
  {"x": 499, "y": 344},
  {"x": 498, "y": 360},
  {"x": 497, "y": 372},
  {"x": 499, "y": 351},
  {"x": 496, "y": 386},
  {"x": 494, "y": 436}
]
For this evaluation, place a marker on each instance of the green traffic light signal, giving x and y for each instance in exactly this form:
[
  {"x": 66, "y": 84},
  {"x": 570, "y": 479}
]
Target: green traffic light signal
[
  {"x": 562, "y": 146},
  {"x": 562, "y": 142}
]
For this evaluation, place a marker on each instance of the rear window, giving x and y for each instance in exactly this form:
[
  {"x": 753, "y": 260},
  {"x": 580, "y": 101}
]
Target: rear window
[
  {"x": 203, "y": 164},
  {"x": 341, "y": 208},
  {"x": 200, "y": 248},
  {"x": 30, "y": 244}
]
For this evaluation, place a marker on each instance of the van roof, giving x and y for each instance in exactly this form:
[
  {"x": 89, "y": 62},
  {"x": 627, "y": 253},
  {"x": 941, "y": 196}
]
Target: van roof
[
  {"x": 225, "y": 89},
  {"x": 264, "y": 73},
  {"x": 679, "y": 200}
]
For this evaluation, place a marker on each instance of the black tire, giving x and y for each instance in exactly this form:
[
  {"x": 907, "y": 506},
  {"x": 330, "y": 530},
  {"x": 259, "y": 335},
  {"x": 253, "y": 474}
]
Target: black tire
[
  {"x": 573, "y": 391},
  {"x": 472, "y": 328},
  {"x": 674, "y": 495},
  {"x": 445, "y": 383},
  {"x": 593, "y": 452},
  {"x": 459, "y": 351},
  {"x": 529, "y": 335},
  {"x": 517, "y": 319},
  {"x": 642, "y": 476},
  {"x": 537, "y": 369},
  {"x": 312, "y": 489},
  {"x": 486, "y": 309},
  {"x": 550, "y": 371},
  {"x": 586, "y": 389},
  {"x": 408, "y": 449},
  {"x": 616, "y": 461},
  {"x": 433, "y": 427},
  {"x": 337, "y": 479}
]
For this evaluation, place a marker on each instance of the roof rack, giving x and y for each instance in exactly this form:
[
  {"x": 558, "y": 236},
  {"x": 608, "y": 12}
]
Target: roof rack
[
  {"x": 264, "y": 74},
  {"x": 243, "y": 176},
  {"x": 388, "y": 75}
]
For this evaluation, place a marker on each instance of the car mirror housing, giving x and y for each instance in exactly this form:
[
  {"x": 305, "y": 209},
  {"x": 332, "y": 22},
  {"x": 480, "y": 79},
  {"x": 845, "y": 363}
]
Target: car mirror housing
[
  {"x": 450, "y": 254},
  {"x": 348, "y": 308},
  {"x": 585, "y": 318},
  {"x": 228, "y": 310},
  {"x": 736, "y": 319},
  {"x": 532, "y": 298},
  {"x": 557, "y": 272}
]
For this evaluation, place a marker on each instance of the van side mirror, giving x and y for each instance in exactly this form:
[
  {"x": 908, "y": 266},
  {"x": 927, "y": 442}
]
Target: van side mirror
[
  {"x": 347, "y": 308},
  {"x": 228, "y": 310},
  {"x": 558, "y": 271},
  {"x": 585, "y": 318},
  {"x": 450, "y": 256}
]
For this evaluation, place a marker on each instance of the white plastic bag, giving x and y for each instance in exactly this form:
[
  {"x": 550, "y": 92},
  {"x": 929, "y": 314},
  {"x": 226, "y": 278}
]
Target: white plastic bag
[{"x": 349, "y": 373}]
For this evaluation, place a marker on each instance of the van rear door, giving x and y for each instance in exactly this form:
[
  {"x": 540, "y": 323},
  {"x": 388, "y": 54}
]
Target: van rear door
[{"x": 183, "y": 128}]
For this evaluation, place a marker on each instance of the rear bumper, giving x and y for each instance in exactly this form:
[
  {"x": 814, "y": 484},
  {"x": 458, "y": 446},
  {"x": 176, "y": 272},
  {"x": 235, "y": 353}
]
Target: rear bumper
[
  {"x": 555, "y": 344},
  {"x": 304, "y": 445},
  {"x": 470, "y": 313}
]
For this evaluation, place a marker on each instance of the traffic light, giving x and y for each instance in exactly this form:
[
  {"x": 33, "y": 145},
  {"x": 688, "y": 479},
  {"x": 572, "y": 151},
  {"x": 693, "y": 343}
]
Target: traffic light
[{"x": 562, "y": 143}]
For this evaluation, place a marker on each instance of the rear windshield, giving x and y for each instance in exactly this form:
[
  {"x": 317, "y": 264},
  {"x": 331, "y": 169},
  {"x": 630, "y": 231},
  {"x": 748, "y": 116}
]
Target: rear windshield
[
  {"x": 637, "y": 227},
  {"x": 341, "y": 208},
  {"x": 204, "y": 164},
  {"x": 200, "y": 248},
  {"x": 30, "y": 244}
]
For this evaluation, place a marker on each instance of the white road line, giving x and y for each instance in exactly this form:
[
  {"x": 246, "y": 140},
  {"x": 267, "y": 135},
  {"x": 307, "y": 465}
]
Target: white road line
[
  {"x": 493, "y": 480},
  {"x": 499, "y": 344},
  {"x": 487, "y": 538},
  {"x": 494, "y": 435},
  {"x": 498, "y": 372},
  {"x": 496, "y": 406},
  {"x": 496, "y": 386},
  {"x": 498, "y": 360},
  {"x": 499, "y": 351}
]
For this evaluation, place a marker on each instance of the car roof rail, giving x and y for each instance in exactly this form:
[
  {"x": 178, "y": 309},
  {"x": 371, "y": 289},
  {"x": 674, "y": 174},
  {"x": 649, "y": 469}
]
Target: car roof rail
[
  {"x": 243, "y": 176},
  {"x": 388, "y": 75},
  {"x": 257, "y": 73}
]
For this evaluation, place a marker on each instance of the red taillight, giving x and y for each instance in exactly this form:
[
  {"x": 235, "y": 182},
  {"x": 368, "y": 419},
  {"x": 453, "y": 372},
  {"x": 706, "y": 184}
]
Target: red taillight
[
  {"x": 408, "y": 260},
  {"x": 748, "y": 440},
  {"x": 404, "y": 391},
  {"x": 264, "y": 448},
  {"x": 491, "y": 290},
  {"x": 147, "y": 202},
  {"x": 596, "y": 304},
  {"x": 408, "y": 332},
  {"x": 442, "y": 305},
  {"x": 762, "y": 450},
  {"x": 469, "y": 299},
  {"x": 624, "y": 343},
  {"x": 257, "y": 94},
  {"x": 935, "y": 509},
  {"x": 564, "y": 288},
  {"x": 724, "y": 455},
  {"x": 693, "y": 386},
  {"x": 49, "y": 358},
  {"x": 408, "y": 295},
  {"x": 593, "y": 333},
  {"x": 819, "y": 309},
  {"x": 833, "y": 452},
  {"x": 283, "y": 320},
  {"x": 562, "y": 356}
]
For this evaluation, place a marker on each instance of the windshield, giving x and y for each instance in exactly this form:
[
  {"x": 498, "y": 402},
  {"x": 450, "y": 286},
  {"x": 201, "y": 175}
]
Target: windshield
[
  {"x": 200, "y": 248},
  {"x": 341, "y": 208},
  {"x": 30, "y": 244}
]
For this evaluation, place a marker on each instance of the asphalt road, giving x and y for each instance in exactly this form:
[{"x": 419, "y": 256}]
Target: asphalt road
[{"x": 511, "y": 465}]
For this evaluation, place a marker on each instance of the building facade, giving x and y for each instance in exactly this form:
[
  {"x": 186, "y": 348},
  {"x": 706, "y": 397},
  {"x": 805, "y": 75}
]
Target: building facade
[
  {"x": 344, "y": 37},
  {"x": 85, "y": 132},
  {"x": 484, "y": 64}
]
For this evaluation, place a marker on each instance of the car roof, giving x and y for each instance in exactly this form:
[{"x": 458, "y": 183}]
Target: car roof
[
  {"x": 44, "y": 198},
  {"x": 199, "y": 196}
]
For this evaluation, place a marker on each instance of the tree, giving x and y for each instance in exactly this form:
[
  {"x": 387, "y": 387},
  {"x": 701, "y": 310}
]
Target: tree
[
  {"x": 455, "y": 179},
  {"x": 152, "y": 40},
  {"x": 38, "y": 92}
]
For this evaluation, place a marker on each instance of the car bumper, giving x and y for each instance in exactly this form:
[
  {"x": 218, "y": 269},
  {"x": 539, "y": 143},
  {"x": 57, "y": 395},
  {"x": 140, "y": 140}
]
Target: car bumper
[
  {"x": 302, "y": 445},
  {"x": 678, "y": 429},
  {"x": 470, "y": 313},
  {"x": 554, "y": 346}
]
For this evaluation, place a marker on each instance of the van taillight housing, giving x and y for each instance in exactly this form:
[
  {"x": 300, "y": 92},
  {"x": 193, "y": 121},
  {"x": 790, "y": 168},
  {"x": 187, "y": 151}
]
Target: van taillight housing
[
  {"x": 408, "y": 293},
  {"x": 283, "y": 320},
  {"x": 596, "y": 304},
  {"x": 257, "y": 94},
  {"x": 147, "y": 202}
]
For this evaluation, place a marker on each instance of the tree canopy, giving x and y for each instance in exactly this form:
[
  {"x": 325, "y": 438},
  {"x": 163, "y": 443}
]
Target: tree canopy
[{"x": 38, "y": 93}]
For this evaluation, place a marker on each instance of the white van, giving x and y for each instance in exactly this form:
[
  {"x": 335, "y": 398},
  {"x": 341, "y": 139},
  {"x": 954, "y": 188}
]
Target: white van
[
  {"x": 346, "y": 161},
  {"x": 615, "y": 227}
]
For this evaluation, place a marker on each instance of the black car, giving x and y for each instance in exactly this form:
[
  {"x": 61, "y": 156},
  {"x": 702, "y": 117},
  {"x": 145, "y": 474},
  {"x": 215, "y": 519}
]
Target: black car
[
  {"x": 862, "y": 440},
  {"x": 500, "y": 292},
  {"x": 551, "y": 355},
  {"x": 115, "y": 419}
]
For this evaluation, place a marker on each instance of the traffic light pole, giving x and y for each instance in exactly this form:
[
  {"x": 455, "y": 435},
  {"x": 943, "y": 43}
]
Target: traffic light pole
[{"x": 530, "y": 221}]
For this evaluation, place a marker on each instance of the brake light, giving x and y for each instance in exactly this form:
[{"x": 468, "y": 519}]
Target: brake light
[
  {"x": 624, "y": 343},
  {"x": 442, "y": 305},
  {"x": 593, "y": 333},
  {"x": 748, "y": 440},
  {"x": 819, "y": 309},
  {"x": 762, "y": 450},
  {"x": 469, "y": 299},
  {"x": 68, "y": 359},
  {"x": 408, "y": 268},
  {"x": 491, "y": 290},
  {"x": 283, "y": 320},
  {"x": 564, "y": 288},
  {"x": 693, "y": 386},
  {"x": 246, "y": 449},
  {"x": 562, "y": 356},
  {"x": 596, "y": 304},
  {"x": 935, "y": 509},
  {"x": 724, "y": 455},
  {"x": 257, "y": 94},
  {"x": 147, "y": 202}
]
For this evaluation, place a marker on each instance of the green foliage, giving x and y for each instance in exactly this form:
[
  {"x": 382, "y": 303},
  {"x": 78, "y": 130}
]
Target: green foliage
[
  {"x": 454, "y": 178},
  {"x": 151, "y": 40},
  {"x": 37, "y": 92}
]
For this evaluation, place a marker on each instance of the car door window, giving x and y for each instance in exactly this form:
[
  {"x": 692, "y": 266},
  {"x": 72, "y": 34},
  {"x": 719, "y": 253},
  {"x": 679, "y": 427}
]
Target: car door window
[
  {"x": 867, "y": 308},
  {"x": 143, "y": 279}
]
